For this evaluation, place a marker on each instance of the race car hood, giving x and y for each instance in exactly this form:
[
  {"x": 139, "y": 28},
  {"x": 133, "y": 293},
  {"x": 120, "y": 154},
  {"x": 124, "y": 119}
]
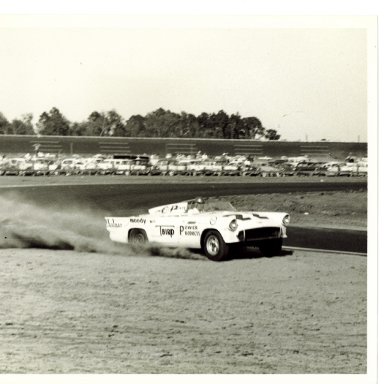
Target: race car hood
[
  {"x": 252, "y": 215},
  {"x": 249, "y": 218}
]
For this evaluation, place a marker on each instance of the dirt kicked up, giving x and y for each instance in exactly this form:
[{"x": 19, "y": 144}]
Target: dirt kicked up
[{"x": 25, "y": 225}]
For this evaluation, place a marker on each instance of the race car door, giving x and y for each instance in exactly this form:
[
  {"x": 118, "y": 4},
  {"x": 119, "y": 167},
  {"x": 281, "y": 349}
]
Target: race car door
[
  {"x": 190, "y": 233},
  {"x": 177, "y": 230},
  {"x": 165, "y": 229}
]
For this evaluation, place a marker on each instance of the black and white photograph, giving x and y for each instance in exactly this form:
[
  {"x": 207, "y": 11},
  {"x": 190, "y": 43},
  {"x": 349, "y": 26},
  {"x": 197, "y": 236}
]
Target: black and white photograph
[{"x": 188, "y": 194}]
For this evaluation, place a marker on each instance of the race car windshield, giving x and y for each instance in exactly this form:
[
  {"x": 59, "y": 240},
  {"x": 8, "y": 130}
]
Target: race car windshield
[{"x": 215, "y": 205}]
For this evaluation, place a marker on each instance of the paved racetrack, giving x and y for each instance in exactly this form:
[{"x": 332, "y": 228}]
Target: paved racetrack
[{"x": 122, "y": 193}]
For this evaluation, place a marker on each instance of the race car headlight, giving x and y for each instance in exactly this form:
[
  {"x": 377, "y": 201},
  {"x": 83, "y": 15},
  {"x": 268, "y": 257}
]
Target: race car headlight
[
  {"x": 233, "y": 225},
  {"x": 286, "y": 220}
]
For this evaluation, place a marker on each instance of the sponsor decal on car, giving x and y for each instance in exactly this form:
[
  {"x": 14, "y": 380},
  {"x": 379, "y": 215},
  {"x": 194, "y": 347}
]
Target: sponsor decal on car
[
  {"x": 171, "y": 208},
  {"x": 189, "y": 230},
  {"x": 166, "y": 230},
  {"x": 138, "y": 220},
  {"x": 111, "y": 223}
]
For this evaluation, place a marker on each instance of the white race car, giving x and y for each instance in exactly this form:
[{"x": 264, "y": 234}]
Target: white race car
[{"x": 212, "y": 225}]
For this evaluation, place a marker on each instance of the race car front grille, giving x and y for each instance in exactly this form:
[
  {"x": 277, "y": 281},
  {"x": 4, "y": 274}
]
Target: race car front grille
[{"x": 262, "y": 233}]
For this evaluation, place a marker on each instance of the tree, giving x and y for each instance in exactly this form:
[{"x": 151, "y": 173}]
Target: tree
[
  {"x": 53, "y": 123},
  {"x": 221, "y": 120},
  {"x": 189, "y": 126},
  {"x": 95, "y": 125},
  {"x": 135, "y": 126},
  {"x": 154, "y": 124},
  {"x": 114, "y": 124},
  {"x": 159, "y": 123},
  {"x": 100, "y": 124},
  {"x": 205, "y": 125},
  {"x": 253, "y": 128},
  {"x": 22, "y": 126},
  {"x": 236, "y": 126},
  {"x": 162, "y": 123},
  {"x": 4, "y": 125},
  {"x": 79, "y": 129},
  {"x": 271, "y": 134}
]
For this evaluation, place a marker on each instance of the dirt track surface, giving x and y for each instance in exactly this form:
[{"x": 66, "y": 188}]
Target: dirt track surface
[
  {"x": 71, "y": 312},
  {"x": 112, "y": 311}
]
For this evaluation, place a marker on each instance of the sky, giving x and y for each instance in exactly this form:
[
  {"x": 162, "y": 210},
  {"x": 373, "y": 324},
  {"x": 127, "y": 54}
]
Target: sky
[{"x": 308, "y": 83}]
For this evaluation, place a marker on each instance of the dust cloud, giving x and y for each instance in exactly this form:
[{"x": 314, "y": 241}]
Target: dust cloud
[{"x": 25, "y": 225}]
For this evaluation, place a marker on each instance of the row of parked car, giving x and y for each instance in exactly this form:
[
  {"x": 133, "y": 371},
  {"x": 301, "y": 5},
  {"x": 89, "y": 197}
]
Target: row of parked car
[{"x": 180, "y": 165}]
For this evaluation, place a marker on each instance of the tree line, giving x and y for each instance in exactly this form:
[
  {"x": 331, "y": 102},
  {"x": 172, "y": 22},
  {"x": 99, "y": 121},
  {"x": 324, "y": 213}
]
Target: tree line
[{"x": 159, "y": 123}]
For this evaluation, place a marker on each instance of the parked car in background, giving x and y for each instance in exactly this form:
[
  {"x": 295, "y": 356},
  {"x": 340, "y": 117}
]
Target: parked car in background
[
  {"x": 140, "y": 167},
  {"x": 197, "y": 164},
  {"x": 250, "y": 170},
  {"x": 212, "y": 168},
  {"x": 195, "y": 168},
  {"x": 266, "y": 170},
  {"x": 171, "y": 167},
  {"x": 25, "y": 167},
  {"x": 12, "y": 166},
  {"x": 231, "y": 169},
  {"x": 90, "y": 166},
  {"x": 307, "y": 168},
  {"x": 123, "y": 167},
  {"x": 107, "y": 167},
  {"x": 286, "y": 168}
]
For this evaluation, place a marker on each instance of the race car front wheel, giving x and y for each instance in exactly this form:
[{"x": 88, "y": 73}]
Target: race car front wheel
[
  {"x": 214, "y": 246},
  {"x": 137, "y": 236}
]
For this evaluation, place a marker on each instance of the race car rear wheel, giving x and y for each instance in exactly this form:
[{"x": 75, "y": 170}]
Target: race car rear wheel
[
  {"x": 137, "y": 236},
  {"x": 271, "y": 247},
  {"x": 214, "y": 246}
]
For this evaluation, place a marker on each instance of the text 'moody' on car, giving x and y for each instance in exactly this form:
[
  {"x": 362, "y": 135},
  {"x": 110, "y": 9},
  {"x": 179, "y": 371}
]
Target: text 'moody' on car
[{"x": 212, "y": 225}]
